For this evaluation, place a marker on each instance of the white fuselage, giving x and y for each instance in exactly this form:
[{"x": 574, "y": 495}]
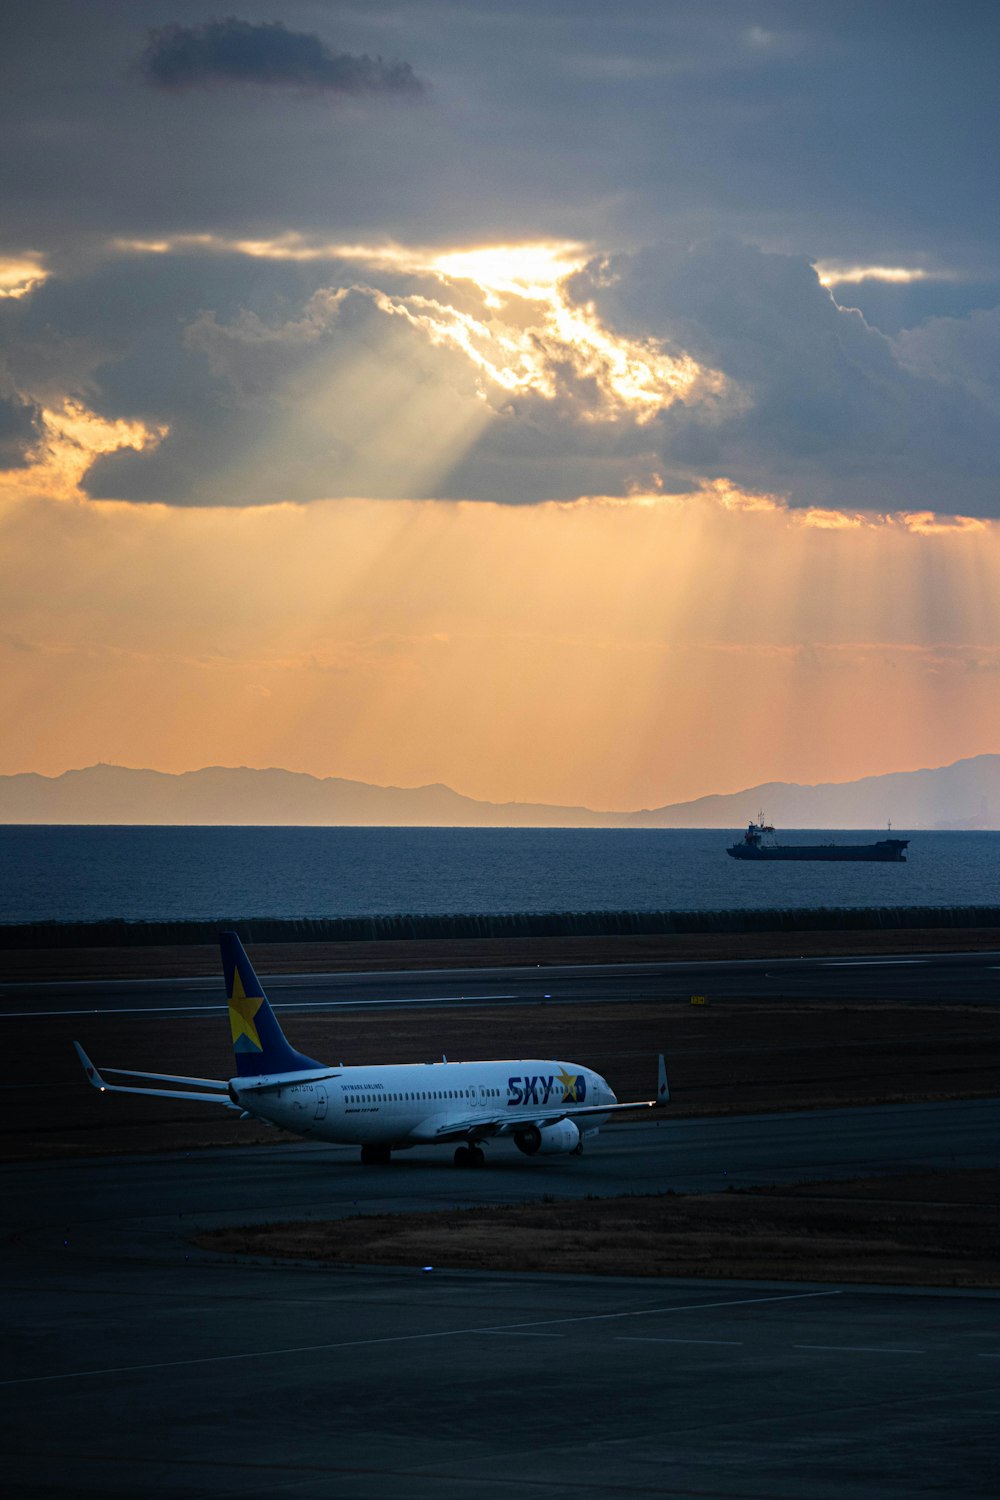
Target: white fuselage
[{"x": 412, "y": 1103}]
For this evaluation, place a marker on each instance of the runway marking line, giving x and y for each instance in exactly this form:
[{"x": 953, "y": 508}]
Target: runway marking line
[
  {"x": 870, "y": 963},
  {"x": 296, "y": 1005},
  {"x": 412, "y": 1338},
  {"x": 858, "y": 1349}
]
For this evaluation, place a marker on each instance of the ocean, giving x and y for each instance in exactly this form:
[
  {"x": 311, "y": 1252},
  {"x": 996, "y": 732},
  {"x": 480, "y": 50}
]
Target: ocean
[{"x": 80, "y": 874}]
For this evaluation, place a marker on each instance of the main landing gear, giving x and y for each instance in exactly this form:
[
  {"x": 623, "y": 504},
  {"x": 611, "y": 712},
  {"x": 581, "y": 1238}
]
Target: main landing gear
[
  {"x": 470, "y": 1156},
  {"x": 376, "y": 1156}
]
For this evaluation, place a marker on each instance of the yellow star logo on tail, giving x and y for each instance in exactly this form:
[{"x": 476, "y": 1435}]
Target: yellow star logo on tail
[{"x": 242, "y": 1011}]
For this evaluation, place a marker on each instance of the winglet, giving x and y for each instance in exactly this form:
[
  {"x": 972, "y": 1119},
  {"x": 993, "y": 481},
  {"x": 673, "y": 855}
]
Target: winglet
[
  {"x": 89, "y": 1069},
  {"x": 662, "y": 1086}
]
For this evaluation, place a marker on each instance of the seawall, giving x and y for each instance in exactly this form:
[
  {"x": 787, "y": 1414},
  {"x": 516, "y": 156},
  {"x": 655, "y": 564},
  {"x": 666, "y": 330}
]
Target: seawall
[{"x": 114, "y": 933}]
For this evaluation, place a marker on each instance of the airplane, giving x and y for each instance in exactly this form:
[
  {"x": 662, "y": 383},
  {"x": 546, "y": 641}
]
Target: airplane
[{"x": 548, "y": 1107}]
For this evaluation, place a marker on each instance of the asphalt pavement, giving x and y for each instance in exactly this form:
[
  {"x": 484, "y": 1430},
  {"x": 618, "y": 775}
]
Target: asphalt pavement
[
  {"x": 136, "y": 1364},
  {"x": 960, "y": 978}
]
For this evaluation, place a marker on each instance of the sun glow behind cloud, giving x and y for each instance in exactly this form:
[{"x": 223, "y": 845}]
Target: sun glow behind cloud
[
  {"x": 531, "y": 326},
  {"x": 73, "y": 437},
  {"x": 20, "y": 274},
  {"x": 528, "y": 329},
  {"x": 831, "y": 274}
]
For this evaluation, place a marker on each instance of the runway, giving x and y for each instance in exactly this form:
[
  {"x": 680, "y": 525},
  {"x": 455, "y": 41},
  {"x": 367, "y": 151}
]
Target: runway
[
  {"x": 136, "y": 1364},
  {"x": 959, "y": 978}
]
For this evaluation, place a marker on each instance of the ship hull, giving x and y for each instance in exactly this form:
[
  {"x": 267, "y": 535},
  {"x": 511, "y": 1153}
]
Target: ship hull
[{"x": 889, "y": 851}]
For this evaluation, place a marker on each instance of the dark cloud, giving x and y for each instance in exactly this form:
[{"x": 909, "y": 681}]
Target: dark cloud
[
  {"x": 319, "y": 401},
  {"x": 893, "y": 306},
  {"x": 821, "y": 407},
  {"x": 301, "y": 381},
  {"x": 964, "y": 352},
  {"x": 20, "y": 431},
  {"x": 268, "y": 54}
]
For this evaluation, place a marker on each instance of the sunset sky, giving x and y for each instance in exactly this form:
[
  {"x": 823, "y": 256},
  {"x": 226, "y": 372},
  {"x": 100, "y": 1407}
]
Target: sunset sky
[{"x": 564, "y": 401}]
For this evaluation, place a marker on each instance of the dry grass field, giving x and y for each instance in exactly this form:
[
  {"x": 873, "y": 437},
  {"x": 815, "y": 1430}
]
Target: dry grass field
[{"x": 934, "y": 1229}]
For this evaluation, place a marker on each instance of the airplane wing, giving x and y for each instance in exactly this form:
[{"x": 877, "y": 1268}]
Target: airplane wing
[
  {"x": 480, "y": 1127},
  {"x": 218, "y": 1086},
  {"x": 483, "y": 1127}
]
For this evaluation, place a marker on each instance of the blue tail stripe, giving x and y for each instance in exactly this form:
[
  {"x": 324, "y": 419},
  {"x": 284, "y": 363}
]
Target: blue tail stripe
[{"x": 273, "y": 1055}]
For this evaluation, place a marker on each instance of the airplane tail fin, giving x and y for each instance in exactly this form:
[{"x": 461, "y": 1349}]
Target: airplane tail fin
[{"x": 258, "y": 1040}]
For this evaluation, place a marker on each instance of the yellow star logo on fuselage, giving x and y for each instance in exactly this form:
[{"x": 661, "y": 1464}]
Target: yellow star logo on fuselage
[
  {"x": 568, "y": 1081},
  {"x": 242, "y": 1011}
]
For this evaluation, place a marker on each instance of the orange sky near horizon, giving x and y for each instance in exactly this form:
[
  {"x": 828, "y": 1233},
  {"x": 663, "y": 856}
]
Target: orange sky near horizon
[{"x": 616, "y": 654}]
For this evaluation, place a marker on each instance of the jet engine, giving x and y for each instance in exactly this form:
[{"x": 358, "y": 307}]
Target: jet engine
[{"x": 547, "y": 1140}]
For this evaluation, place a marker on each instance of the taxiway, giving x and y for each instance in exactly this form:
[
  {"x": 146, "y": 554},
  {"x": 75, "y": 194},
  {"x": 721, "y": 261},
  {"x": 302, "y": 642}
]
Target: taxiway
[{"x": 137, "y": 1364}]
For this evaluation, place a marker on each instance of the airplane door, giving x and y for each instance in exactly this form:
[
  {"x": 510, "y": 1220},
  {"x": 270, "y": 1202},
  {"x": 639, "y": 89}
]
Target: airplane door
[
  {"x": 483, "y": 1096},
  {"x": 321, "y": 1104}
]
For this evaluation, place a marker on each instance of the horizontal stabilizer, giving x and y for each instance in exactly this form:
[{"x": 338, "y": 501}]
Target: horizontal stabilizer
[
  {"x": 271, "y": 1082},
  {"x": 219, "y": 1084}
]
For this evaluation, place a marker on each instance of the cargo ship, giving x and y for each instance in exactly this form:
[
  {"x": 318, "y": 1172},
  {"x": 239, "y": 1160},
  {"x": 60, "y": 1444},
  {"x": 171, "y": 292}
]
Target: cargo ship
[{"x": 759, "y": 842}]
